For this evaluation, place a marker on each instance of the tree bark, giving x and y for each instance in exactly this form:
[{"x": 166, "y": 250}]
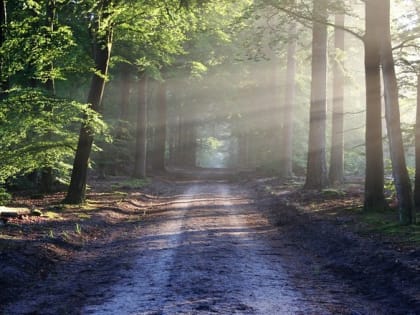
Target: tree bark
[
  {"x": 51, "y": 16},
  {"x": 47, "y": 173},
  {"x": 417, "y": 150},
  {"x": 316, "y": 175},
  {"x": 286, "y": 167},
  {"x": 141, "y": 134},
  {"x": 125, "y": 85},
  {"x": 102, "y": 43},
  {"x": 160, "y": 133},
  {"x": 392, "y": 115},
  {"x": 374, "y": 177},
  {"x": 336, "y": 175},
  {"x": 4, "y": 82}
]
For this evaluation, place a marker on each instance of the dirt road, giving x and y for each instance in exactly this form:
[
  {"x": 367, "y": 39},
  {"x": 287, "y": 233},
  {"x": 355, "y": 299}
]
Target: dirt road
[
  {"x": 206, "y": 247},
  {"x": 212, "y": 251}
]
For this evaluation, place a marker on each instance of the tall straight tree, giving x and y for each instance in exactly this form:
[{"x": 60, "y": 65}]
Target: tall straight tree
[
  {"x": 125, "y": 85},
  {"x": 286, "y": 167},
  {"x": 336, "y": 174},
  {"x": 101, "y": 32},
  {"x": 50, "y": 24},
  {"x": 160, "y": 130},
  {"x": 316, "y": 174},
  {"x": 374, "y": 199},
  {"x": 392, "y": 115},
  {"x": 47, "y": 176},
  {"x": 417, "y": 148},
  {"x": 4, "y": 82},
  {"x": 141, "y": 130}
]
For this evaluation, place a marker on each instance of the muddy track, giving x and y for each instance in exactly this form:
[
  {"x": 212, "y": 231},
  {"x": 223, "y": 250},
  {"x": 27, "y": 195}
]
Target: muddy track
[{"x": 207, "y": 248}]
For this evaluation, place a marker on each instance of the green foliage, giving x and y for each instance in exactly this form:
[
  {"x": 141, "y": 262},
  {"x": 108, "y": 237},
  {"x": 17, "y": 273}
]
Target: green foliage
[
  {"x": 40, "y": 131},
  {"x": 32, "y": 47},
  {"x": 78, "y": 229},
  {"x": 5, "y": 197}
]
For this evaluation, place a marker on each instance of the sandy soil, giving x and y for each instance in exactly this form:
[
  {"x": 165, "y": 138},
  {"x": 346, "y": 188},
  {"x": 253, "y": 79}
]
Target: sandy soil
[{"x": 215, "y": 247}]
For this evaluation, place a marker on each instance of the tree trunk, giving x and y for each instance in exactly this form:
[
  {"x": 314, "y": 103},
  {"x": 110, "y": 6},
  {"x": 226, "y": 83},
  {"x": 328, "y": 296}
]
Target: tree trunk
[
  {"x": 336, "y": 175},
  {"x": 4, "y": 82},
  {"x": 47, "y": 173},
  {"x": 125, "y": 85},
  {"x": 51, "y": 16},
  {"x": 316, "y": 176},
  {"x": 417, "y": 146},
  {"x": 141, "y": 134},
  {"x": 392, "y": 115},
  {"x": 187, "y": 146},
  {"x": 286, "y": 167},
  {"x": 101, "y": 51},
  {"x": 374, "y": 177},
  {"x": 160, "y": 133}
]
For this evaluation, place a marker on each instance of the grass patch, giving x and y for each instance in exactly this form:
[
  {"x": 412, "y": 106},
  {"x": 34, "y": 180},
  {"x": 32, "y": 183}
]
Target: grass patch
[
  {"x": 88, "y": 206},
  {"x": 387, "y": 223},
  {"x": 52, "y": 215},
  {"x": 84, "y": 216},
  {"x": 331, "y": 192}
]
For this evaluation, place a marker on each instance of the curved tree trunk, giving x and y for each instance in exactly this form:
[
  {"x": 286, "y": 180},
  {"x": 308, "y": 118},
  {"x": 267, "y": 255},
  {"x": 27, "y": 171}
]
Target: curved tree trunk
[
  {"x": 316, "y": 174},
  {"x": 336, "y": 175},
  {"x": 374, "y": 177},
  {"x": 102, "y": 51},
  {"x": 141, "y": 134}
]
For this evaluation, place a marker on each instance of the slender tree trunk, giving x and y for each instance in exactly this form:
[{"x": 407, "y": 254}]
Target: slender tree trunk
[
  {"x": 336, "y": 175},
  {"x": 374, "y": 177},
  {"x": 187, "y": 137},
  {"x": 47, "y": 173},
  {"x": 141, "y": 134},
  {"x": 51, "y": 16},
  {"x": 316, "y": 176},
  {"x": 102, "y": 51},
  {"x": 191, "y": 144},
  {"x": 122, "y": 129},
  {"x": 160, "y": 135},
  {"x": 125, "y": 84},
  {"x": 417, "y": 146},
  {"x": 177, "y": 135},
  {"x": 392, "y": 115},
  {"x": 286, "y": 167},
  {"x": 4, "y": 82}
]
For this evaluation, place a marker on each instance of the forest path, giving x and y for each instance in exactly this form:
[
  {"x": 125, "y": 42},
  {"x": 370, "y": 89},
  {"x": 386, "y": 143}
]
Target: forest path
[{"x": 211, "y": 250}]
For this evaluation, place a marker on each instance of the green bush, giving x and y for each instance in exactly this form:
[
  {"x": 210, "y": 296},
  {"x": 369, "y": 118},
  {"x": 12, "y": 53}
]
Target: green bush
[{"x": 5, "y": 197}]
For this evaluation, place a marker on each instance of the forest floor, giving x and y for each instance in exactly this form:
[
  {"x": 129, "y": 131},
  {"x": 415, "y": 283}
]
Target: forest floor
[{"x": 199, "y": 244}]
